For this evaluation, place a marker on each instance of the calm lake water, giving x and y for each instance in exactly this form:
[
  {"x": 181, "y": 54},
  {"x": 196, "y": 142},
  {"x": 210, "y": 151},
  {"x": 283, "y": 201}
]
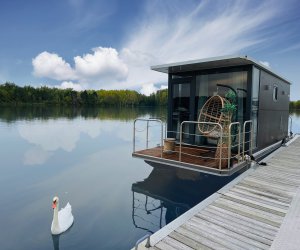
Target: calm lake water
[{"x": 84, "y": 157}]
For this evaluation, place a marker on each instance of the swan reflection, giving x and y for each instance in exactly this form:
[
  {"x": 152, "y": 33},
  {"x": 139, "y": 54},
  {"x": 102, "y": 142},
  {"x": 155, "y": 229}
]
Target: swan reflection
[{"x": 55, "y": 240}]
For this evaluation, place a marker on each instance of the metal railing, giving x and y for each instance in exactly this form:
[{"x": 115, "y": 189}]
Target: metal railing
[
  {"x": 148, "y": 120},
  {"x": 250, "y": 141},
  {"x": 232, "y": 139},
  {"x": 208, "y": 123}
]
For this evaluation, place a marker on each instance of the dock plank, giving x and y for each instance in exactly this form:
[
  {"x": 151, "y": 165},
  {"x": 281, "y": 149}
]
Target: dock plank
[
  {"x": 264, "y": 193},
  {"x": 252, "y": 229},
  {"x": 188, "y": 241},
  {"x": 169, "y": 243},
  {"x": 255, "y": 203},
  {"x": 272, "y": 202},
  {"x": 228, "y": 235},
  {"x": 250, "y": 209},
  {"x": 233, "y": 227},
  {"x": 244, "y": 220},
  {"x": 199, "y": 238},
  {"x": 214, "y": 235}
]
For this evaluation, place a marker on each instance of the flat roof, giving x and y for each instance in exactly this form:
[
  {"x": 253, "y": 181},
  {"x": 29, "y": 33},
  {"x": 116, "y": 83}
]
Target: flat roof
[{"x": 211, "y": 63}]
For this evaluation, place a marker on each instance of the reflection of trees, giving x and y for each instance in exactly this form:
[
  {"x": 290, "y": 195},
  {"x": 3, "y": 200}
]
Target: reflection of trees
[
  {"x": 169, "y": 192},
  {"x": 29, "y": 112},
  {"x": 295, "y": 112}
]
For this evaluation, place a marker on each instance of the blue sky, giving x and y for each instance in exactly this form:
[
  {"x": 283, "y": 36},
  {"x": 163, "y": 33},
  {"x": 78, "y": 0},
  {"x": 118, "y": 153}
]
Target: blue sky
[{"x": 112, "y": 44}]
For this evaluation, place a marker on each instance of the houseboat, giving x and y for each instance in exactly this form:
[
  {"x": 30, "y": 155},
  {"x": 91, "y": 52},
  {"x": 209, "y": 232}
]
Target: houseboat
[{"x": 222, "y": 112}]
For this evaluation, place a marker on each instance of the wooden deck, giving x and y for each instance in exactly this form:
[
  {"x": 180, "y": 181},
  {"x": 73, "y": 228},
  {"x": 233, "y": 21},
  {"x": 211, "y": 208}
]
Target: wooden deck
[
  {"x": 260, "y": 209},
  {"x": 191, "y": 155}
]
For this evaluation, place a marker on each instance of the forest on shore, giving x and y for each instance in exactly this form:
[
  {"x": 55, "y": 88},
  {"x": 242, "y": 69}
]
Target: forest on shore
[{"x": 12, "y": 94}]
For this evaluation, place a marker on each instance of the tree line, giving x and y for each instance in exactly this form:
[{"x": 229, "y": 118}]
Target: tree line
[{"x": 10, "y": 93}]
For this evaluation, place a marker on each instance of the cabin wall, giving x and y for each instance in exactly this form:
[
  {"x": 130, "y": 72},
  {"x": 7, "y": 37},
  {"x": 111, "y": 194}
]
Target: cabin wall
[{"x": 273, "y": 113}]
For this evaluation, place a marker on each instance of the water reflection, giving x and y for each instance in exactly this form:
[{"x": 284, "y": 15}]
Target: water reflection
[
  {"x": 11, "y": 114},
  {"x": 295, "y": 114},
  {"x": 53, "y": 135},
  {"x": 57, "y": 131},
  {"x": 55, "y": 240},
  {"x": 169, "y": 192}
]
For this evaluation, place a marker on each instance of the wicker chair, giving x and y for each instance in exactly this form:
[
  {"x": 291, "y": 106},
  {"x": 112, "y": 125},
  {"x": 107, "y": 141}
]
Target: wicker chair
[{"x": 211, "y": 112}]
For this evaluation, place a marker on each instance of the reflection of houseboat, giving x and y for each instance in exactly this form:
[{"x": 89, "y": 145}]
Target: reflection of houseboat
[
  {"x": 167, "y": 193},
  {"x": 220, "y": 112}
]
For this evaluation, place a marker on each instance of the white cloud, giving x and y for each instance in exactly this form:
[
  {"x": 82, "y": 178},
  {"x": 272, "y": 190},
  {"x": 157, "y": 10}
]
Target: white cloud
[
  {"x": 52, "y": 66},
  {"x": 267, "y": 64},
  {"x": 103, "y": 63},
  {"x": 103, "y": 66},
  {"x": 70, "y": 85},
  {"x": 148, "y": 89}
]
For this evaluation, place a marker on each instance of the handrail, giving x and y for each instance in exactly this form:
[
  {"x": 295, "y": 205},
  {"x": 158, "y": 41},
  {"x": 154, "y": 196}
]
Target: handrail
[
  {"x": 229, "y": 141},
  {"x": 147, "y": 132},
  {"x": 163, "y": 119},
  {"x": 250, "y": 139},
  {"x": 197, "y": 122}
]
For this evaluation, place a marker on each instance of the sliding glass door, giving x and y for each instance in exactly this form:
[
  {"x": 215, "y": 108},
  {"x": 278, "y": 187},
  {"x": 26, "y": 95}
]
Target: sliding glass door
[{"x": 181, "y": 106}]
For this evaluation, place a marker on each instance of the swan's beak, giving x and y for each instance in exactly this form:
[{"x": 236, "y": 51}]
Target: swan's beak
[{"x": 53, "y": 205}]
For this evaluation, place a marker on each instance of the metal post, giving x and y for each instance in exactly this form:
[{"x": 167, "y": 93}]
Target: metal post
[
  {"x": 147, "y": 135},
  {"x": 221, "y": 140},
  {"x": 229, "y": 142},
  {"x": 147, "y": 236},
  {"x": 250, "y": 137},
  {"x": 180, "y": 140},
  {"x": 134, "y": 135},
  {"x": 239, "y": 141},
  {"x": 166, "y": 130},
  {"x": 161, "y": 139}
]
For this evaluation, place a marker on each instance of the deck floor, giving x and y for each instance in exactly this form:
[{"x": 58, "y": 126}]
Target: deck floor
[
  {"x": 258, "y": 210},
  {"x": 196, "y": 156}
]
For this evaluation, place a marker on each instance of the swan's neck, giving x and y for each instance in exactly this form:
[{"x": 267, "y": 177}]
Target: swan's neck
[{"x": 55, "y": 218}]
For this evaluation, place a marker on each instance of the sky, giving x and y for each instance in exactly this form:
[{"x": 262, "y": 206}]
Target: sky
[{"x": 97, "y": 44}]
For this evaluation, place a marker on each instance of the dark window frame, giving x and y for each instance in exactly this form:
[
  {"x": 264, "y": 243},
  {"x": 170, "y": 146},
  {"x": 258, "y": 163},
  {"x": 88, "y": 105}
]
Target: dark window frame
[{"x": 275, "y": 92}]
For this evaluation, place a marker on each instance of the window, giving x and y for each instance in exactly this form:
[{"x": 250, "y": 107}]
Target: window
[{"x": 275, "y": 93}]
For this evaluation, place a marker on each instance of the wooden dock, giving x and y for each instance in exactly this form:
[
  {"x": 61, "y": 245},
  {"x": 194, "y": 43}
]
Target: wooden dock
[{"x": 260, "y": 209}]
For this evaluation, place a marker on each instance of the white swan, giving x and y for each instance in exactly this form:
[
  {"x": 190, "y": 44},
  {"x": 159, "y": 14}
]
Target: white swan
[{"x": 62, "y": 219}]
